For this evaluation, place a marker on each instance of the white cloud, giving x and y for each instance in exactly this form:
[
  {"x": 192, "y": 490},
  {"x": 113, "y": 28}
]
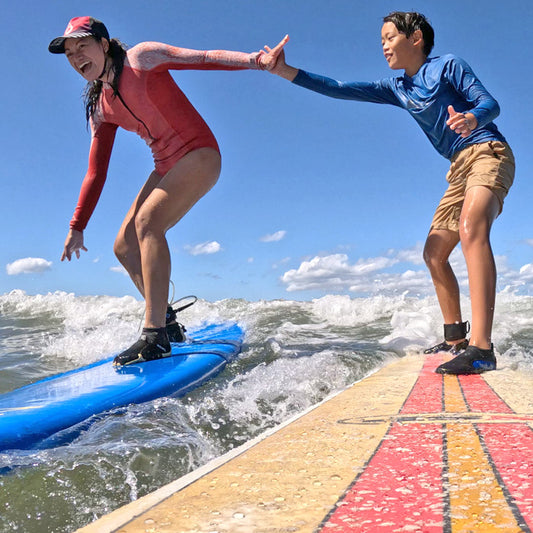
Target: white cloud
[
  {"x": 274, "y": 237},
  {"x": 391, "y": 274},
  {"x": 514, "y": 280},
  {"x": 527, "y": 269},
  {"x": 412, "y": 255},
  {"x": 526, "y": 272},
  {"x": 119, "y": 269},
  {"x": 333, "y": 273},
  {"x": 281, "y": 262},
  {"x": 204, "y": 248},
  {"x": 417, "y": 282},
  {"x": 28, "y": 265}
]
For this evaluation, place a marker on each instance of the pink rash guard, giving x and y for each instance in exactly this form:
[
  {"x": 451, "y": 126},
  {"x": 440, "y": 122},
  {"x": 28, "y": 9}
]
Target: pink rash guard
[{"x": 152, "y": 105}]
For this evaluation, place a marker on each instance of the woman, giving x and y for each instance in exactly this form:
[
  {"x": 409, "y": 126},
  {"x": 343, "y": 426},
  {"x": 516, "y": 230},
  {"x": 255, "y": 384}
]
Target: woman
[{"x": 133, "y": 89}]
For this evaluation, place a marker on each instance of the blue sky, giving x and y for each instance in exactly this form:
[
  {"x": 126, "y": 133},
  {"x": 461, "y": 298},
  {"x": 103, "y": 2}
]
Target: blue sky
[{"x": 316, "y": 195}]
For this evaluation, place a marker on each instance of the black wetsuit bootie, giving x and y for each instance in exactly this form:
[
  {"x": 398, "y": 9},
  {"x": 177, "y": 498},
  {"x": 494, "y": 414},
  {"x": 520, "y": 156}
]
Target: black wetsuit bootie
[
  {"x": 175, "y": 330},
  {"x": 153, "y": 344},
  {"x": 454, "y": 349},
  {"x": 452, "y": 332},
  {"x": 473, "y": 360}
]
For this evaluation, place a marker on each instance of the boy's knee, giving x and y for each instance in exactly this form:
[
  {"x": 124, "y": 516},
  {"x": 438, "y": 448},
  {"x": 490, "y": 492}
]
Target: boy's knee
[
  {"x": 432, "y": 262},
  {"x": 429, "y": 255},
  {"x": 473, "y": 235},
  {"x": 434, "y": 258}
]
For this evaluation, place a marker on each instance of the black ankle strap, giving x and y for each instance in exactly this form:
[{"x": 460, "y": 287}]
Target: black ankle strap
[
  {"x": 457, "y": 331},
  {"x": 171, "y": 314}
]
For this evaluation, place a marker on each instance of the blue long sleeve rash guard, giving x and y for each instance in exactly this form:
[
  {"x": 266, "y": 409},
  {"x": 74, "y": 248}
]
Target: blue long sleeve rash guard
[{"x": 440, "y": 82}]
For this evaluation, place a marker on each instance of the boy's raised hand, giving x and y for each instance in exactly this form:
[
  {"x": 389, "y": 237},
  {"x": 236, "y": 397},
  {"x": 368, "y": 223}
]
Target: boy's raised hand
[
  {"x": 274, "y": 59},
  {"x": 461, "y": 123}
]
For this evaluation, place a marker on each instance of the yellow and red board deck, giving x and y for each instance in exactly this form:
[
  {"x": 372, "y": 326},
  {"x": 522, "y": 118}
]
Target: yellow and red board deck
[{"x": 404, "y": 450}]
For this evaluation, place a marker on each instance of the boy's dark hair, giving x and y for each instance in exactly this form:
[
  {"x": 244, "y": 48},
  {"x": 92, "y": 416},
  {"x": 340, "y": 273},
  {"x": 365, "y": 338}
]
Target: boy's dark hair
[
  {"x": 408, "y": 22},
  {"x": 117, "y": 53}
]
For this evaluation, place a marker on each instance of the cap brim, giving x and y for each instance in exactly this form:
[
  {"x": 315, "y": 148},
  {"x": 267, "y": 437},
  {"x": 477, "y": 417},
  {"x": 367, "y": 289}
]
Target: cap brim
[{"x": 57, "y": 46}]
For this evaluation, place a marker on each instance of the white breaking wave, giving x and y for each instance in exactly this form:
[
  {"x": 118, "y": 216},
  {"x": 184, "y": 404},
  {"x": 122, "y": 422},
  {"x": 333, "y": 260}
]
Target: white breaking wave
[{"x": 295, "y": 354}]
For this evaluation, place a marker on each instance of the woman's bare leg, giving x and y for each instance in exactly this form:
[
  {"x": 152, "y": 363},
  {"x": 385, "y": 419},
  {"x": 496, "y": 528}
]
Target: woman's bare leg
[
  {"x": 126, "y": 244},
  {"x": 141, "y": 244}
]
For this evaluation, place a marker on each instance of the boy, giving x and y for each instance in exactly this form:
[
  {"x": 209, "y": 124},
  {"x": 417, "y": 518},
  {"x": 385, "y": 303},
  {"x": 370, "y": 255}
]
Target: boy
[{"x": 455, "y": 112}]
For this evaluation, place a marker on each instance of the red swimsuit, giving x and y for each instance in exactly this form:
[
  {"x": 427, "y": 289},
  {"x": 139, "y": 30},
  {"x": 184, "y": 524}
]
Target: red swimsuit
[{"x": 152, "y": 105}]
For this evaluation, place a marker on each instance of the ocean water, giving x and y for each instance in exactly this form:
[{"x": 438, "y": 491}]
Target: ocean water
[{"x": 295, "y": 355}]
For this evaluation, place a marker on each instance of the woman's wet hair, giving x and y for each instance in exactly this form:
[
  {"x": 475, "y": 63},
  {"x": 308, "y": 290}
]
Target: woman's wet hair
[
  {"x": 117, "y": 53},
  {"x": 408, "y": 22}
]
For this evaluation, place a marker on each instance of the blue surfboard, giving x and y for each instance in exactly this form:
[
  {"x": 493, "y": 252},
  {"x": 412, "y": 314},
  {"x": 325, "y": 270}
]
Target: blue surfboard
[{"x": 30, "y": 414}]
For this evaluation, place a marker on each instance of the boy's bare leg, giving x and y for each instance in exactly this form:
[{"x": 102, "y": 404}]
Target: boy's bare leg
[
  {"x": 439, "y": 245},
  {"x": 480, "y": 209}
]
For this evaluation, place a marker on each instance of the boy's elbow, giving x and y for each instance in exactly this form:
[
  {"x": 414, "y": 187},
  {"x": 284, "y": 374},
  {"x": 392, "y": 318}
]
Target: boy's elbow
[{"x": 487, "y": 111}]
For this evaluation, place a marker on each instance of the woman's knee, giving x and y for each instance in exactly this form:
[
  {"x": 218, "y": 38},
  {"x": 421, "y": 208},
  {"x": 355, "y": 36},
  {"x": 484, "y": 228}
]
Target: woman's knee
[
  {"x": 120, "y": 248},
  {"x": 125, "y": 250},
  {"x": 146, "y": 224}
]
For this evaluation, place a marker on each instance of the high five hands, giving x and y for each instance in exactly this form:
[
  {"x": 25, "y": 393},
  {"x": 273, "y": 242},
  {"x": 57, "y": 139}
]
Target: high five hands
[
  {"x": 461, "y": 123},
  {"x": 274, "y": 58}
]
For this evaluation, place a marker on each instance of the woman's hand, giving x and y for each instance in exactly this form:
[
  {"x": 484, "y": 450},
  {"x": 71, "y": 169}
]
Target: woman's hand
[{"x": 73, "y": 244}]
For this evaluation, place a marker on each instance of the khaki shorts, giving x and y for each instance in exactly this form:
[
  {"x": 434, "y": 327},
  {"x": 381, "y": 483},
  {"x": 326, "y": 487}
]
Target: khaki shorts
[{"x": 489, "y": 164}]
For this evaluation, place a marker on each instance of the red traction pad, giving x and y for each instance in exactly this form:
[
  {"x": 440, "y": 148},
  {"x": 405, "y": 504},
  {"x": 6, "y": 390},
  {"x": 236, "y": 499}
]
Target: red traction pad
[{"x": 402, "y": 486}]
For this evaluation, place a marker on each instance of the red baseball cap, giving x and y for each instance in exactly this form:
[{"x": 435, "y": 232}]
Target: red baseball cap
[{"x": 79, "y": 27}]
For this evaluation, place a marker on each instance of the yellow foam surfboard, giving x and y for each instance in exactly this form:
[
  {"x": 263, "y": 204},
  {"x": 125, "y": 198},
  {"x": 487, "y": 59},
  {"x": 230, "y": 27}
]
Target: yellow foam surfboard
[{"x": 403, "y": 450}]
